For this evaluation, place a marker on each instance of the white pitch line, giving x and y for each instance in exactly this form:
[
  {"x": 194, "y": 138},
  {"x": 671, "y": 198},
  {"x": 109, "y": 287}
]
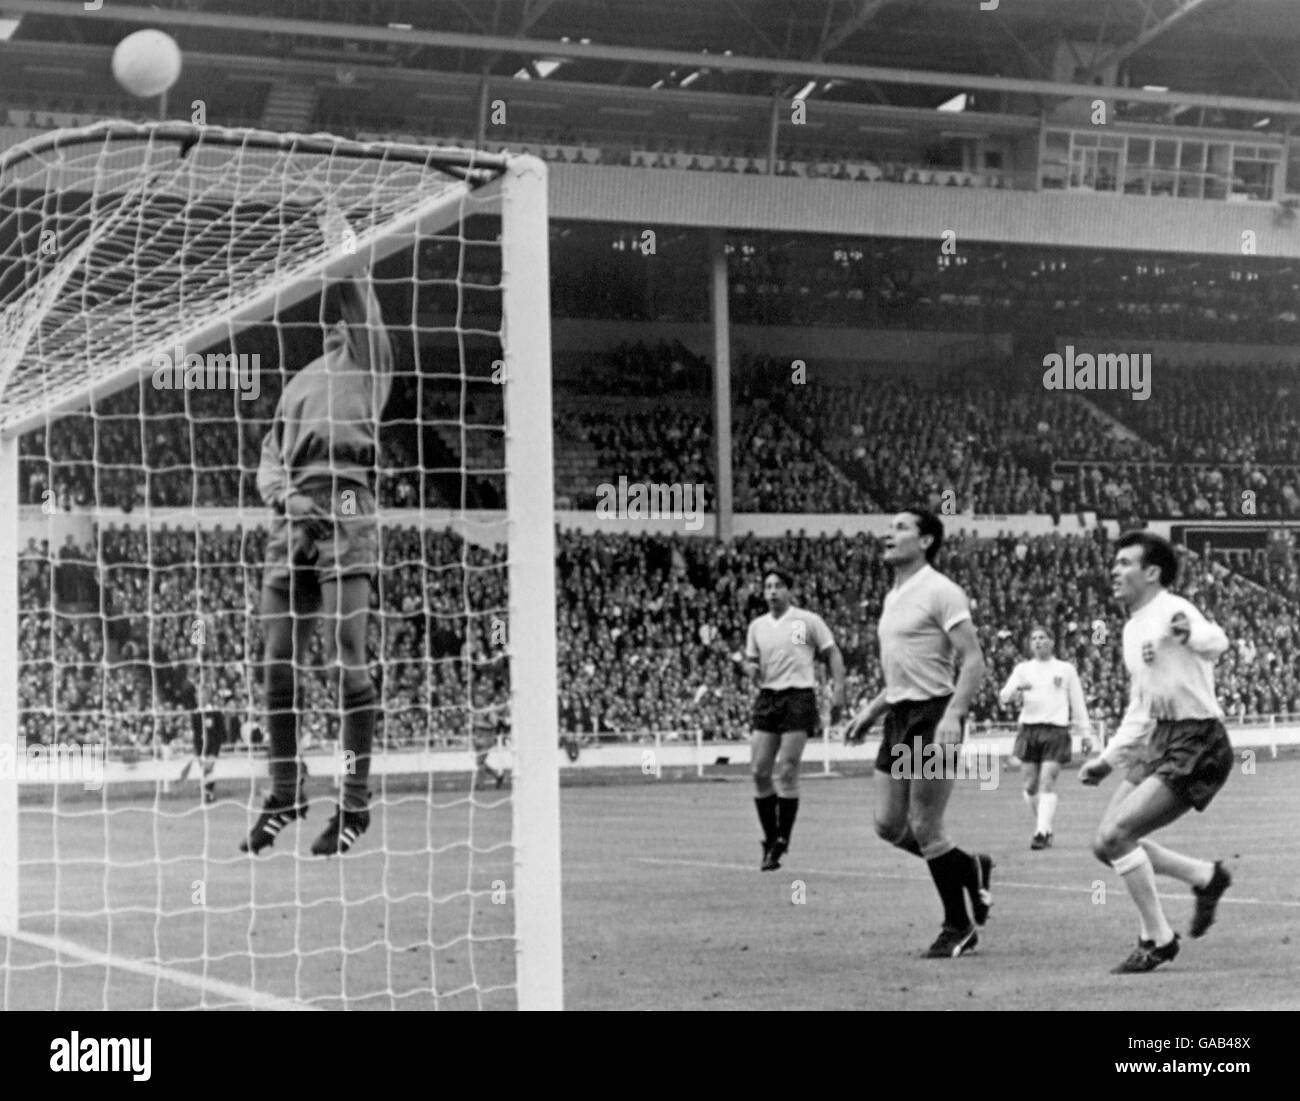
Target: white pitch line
[
  {"x": 252, "y": 998},
  {"x": 926, "y": 879}
]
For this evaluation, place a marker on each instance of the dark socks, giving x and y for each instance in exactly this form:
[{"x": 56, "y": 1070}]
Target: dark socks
[
  {"x": 358, "y": 736},
  {"x": 766, "y": 805},
  {"x": 950, "y": 873},
  {"x": 786, "y": 809},
  {"x": 282, "y": 733}
]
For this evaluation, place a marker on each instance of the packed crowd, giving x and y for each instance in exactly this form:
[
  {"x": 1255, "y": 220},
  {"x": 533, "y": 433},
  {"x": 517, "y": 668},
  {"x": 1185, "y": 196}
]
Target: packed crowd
[{"x": 650, "y": 630}]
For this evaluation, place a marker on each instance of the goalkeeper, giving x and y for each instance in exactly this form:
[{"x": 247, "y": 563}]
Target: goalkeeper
[{"x": 322, "y": 555}]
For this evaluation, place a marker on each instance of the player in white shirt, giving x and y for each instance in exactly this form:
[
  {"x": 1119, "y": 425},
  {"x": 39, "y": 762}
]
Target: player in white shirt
[
  {"x": 781, "y": 648},
  {"x": 1050, "y": 698},
  {"x": 1172, "y": 741}
]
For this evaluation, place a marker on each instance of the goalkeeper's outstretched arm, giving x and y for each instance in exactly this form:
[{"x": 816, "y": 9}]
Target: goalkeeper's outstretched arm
[{"x": 367, "y": 337}]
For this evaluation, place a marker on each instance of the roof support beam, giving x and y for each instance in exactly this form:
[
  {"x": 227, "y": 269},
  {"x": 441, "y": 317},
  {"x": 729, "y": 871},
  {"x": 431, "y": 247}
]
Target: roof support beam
[
  {"x": 1154, "y": 24},
  {"x": 866, "y": 11},
  {"x": 959, "y": 82}
]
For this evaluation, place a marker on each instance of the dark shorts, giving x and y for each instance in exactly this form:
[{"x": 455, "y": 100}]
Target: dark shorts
[
  {"x": 296, "y": 562},
  {"x": 1193, "y": 758},
  {"x": 786, "y": 710},
  {"x": 1039, "y": 742},
  {"x": 905, "y": 722}
]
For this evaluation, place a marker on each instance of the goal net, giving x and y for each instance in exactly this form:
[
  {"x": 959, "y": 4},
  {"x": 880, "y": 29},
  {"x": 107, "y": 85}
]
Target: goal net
[{"x": 160, "y": 288}]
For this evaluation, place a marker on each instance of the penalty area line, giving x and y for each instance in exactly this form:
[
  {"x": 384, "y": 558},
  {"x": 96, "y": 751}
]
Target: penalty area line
[
  {"x": 998, "y": 885},
  {"x": 251, "y": 998}
]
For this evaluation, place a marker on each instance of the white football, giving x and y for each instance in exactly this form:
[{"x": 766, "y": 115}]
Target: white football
[{"x": 147, "y": 63}]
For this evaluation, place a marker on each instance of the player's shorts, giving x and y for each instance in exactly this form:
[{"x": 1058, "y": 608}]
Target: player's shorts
[
  {"x": 353, "y": 551},
  {"x": 1039, "y": 742},
  {"x": 785, "y": 711},
  {"x": 905, "y": 722},
  {"x": 1193, "y": 757}
]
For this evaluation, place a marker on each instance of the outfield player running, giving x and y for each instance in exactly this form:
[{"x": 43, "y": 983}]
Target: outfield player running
[
  {"x": 925, "y": 624},
  {"x": 322, "y": 554},
  {"x": 1173, "y": 739},
  {"x": 780, "y": 649},
  {"x": 1050, "y": 697}
]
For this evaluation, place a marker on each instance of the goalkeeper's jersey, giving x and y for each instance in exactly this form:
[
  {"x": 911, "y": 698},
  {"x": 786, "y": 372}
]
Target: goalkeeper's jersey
[{"x": 326, "y": 422}]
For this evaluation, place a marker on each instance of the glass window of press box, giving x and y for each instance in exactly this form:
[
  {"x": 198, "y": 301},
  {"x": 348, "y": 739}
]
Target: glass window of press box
[{"x": 1169, "y": 167}]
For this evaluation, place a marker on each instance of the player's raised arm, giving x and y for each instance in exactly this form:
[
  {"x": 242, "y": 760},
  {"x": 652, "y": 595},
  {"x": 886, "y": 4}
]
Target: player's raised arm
[
  {"x": 368, "y": 342},
  {"x": 1197, "y": 633}
]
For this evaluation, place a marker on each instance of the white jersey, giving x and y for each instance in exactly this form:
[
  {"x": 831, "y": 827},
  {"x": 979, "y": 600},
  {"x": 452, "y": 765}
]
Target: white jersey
[
  {"x": 916, "y": 652},
  {"x": 1168, "y": 680},
  {"x": 1053, "y": 694}
]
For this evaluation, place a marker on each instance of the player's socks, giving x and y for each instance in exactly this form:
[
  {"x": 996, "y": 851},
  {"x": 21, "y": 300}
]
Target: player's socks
[
  {"x": 282, "y": 734},
  {"x": 950, "y": 871},
  {"x": 786, "y": 809},
  {"x": 766, "y": 805},
  {"x": 1140, "y": 880},
  {"x": 357, "y": 737},
  {"x": 1046, "y": 812}
]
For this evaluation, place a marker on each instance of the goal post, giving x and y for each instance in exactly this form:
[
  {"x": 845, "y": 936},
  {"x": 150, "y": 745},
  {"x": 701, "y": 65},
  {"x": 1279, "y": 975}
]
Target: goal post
[{"x": 120, "y": 243}]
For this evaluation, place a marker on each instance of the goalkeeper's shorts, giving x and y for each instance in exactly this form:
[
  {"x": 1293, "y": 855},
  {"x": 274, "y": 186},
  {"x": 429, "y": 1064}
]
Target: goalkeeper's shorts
[{"x": 295, "y": 560}]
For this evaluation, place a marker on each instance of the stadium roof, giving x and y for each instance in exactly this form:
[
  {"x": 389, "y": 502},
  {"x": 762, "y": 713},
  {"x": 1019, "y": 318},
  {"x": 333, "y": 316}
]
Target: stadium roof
[{"x": 1248, "y": 48}]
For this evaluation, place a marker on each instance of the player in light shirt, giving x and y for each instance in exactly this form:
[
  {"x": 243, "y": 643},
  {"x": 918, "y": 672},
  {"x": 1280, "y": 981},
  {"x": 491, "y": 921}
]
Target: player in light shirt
[
  {"x": 1051, "y": 701},
  {"x": 932, "y": 663},
  {"x": 781, "y": 649},
  {"x": 1171, "y": 740}
]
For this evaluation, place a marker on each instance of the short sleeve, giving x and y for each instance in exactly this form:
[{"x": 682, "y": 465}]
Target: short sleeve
[
  {"x": 751, "y": 644},
  {"x": 822, "y": 639},
  {"x": 950, "y": 606}
]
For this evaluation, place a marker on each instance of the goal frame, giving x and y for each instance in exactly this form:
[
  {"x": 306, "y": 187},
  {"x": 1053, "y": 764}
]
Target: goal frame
[{"x": 519, "y": 193}]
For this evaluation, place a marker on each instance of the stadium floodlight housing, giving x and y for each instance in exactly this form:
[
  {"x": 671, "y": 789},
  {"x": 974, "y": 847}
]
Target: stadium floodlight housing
[{"x": 121, "y": 243}]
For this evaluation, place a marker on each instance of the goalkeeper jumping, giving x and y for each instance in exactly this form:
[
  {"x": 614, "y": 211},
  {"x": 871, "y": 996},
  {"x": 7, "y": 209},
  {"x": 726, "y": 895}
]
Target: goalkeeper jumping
[{"x": 322, "y": 554}]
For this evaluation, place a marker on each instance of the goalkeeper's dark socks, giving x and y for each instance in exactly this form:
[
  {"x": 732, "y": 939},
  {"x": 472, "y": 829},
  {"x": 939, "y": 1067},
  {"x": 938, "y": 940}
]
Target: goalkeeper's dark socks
[
  {"x": 786, "y": 809},
  {"x": 766, "y": 805},
  {"x": 950, "y": 872},
  {"x": 282, "y": 734},
  {"x": 359, "y": 714}
]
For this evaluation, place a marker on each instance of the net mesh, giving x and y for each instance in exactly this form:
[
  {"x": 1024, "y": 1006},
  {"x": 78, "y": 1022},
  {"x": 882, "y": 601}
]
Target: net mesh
[{"x": 131, "y": 251}]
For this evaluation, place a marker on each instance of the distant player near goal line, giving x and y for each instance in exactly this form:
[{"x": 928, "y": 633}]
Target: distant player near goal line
[
  {"x": 780, "y": 650},
  {"x": 322, "y": 554},
  {"x": 1051, "y": 700},
  {"x": 1173, "y": 740}
]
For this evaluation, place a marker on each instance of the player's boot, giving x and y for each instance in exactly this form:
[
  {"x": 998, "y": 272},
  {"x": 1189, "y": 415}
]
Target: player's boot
[
  {"x": 779, "y": 848},
  {"x": 981, "y": 899},
  {"x": 1040, "y": 841},
  {"x": 277, "y": 812},
  {"x": 952, "y": 943},
  {"x": 770, "y": 862},
  {"x": 1207, "y": 899},
  {"x": 1147, "y": 957},
  {"x": 210, "y": 793},
  {"x": 341, "y": 833}
]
